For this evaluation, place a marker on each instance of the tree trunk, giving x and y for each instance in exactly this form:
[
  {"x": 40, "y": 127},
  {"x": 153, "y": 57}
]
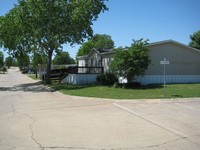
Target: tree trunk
[
  {"x": 36, "y": 76},
  {"x": 129, "y": 79},
  {"x": 48, "y": 80}
]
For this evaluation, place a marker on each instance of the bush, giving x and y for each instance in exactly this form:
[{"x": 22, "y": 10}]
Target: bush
[{"x": 107, "y": 79}]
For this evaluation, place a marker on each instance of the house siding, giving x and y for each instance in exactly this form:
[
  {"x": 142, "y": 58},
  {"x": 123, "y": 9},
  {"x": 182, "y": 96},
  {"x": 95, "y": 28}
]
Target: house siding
[
  {"x": 169, "y": 79},
  {"x": 80, "y": 79},
  {"x": 183, "y": 61},
  {"x": 106, "y": 61},
  {"x": 94, "y": 59}
]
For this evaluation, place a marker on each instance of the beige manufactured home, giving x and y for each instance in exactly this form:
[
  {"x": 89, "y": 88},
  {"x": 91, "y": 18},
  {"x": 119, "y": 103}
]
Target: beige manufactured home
[{"x": 183, "y": 63}]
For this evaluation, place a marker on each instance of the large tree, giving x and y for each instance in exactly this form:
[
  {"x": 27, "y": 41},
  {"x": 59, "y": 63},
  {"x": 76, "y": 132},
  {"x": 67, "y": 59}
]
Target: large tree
[
  {"x": 23, "y": 59},
  {"x": 9, "y": 61},
  {"x": 47, "y": 25},
  {"x": 12, "y": 36},
  {"x": 62, "y": 58},
  {"x": 1, "y": 59},
  {"x": 1, "y": 40},
  {"x": 131, "y": 62},
  {"x": 38, "y": 59},
  {"x": 101, "y": 41},
  {"x": 195, "y": 40}
]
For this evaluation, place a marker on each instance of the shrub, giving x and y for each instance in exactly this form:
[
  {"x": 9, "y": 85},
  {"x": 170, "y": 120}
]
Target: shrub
[
  {"x": 107, "y": 79},
  {"x": 4, "y": 69}
]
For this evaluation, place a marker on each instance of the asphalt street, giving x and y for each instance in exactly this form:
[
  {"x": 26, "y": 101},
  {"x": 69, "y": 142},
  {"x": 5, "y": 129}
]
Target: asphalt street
[{"x": 34, "y": 117}]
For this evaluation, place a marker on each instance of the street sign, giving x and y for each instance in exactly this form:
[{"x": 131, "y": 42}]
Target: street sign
[{"x": 164, "y": 62}]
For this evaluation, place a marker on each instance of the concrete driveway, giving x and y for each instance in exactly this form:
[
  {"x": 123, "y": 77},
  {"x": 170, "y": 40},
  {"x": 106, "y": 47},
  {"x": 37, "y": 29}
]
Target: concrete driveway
[{"x": 33, "y": 117}]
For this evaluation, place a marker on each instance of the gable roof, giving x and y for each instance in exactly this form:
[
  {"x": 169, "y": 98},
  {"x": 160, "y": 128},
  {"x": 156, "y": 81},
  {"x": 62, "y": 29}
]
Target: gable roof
[
  {"x": 174, "y": 42},
  {"x": 107, "y": 51},
  {"x": 99, "y": 51},
  {"x": 104, "y": 51}
]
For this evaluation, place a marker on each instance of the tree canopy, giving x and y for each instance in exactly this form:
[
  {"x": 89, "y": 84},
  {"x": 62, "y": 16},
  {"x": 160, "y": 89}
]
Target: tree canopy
[
  {"x": 9, "y": 61},
  {"x": 47, "y": 25},
  {"x": 23, "y": 59},
  {"x": 1, "y": 59},
  {"x": 131, "y": 62},
  {"x": 101, "y": 41},
  {"x": 38, "y": 59},
  {"x": 63, "y": 58},
  {"x": 195, "y": 40}
]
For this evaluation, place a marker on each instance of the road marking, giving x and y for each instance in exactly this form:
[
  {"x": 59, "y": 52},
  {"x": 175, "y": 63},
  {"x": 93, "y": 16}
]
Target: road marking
[
  {"x": 185, "y": 106},
  {"x": 178, "y": 133}
]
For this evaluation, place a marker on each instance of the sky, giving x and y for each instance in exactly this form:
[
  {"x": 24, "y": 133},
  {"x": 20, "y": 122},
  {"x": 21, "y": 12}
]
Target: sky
[{"x": 156, "y": 20}]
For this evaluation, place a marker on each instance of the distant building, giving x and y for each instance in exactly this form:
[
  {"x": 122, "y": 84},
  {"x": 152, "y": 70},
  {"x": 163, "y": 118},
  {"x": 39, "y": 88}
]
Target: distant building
[{"x": 183, "y": 67}]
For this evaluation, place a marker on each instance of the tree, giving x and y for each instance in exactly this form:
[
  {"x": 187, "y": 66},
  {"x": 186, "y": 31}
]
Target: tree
[
  {"x": 9, "y": 61},
  {"x": 11, "y": 32},
  {"x": 63, "y": 58},
  {"x": 47, "y": 25},
  {"x": 131, "y": 62},
  {"x": 85, "y": 48},
  {"x": 1, "y": 59},
  {"x": 23, "y": 59},
  {"x": 39, "y": 58},
  {"x": 101, "y": 41},
  {"x": 195, "y": 40},
  {"x": 1, "y": 40},
  {"x": 12, "y": 37}
]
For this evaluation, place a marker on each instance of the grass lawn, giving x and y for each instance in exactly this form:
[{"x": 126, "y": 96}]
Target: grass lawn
[
  {"x": 32, "y": 76},
  {"x": 144, "y": 92}
]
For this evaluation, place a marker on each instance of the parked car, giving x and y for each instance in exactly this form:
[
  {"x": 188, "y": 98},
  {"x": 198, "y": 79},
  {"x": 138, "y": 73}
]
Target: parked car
[
  {"x": 61, "y": 73},
  {"x": 24, "y": 70}
]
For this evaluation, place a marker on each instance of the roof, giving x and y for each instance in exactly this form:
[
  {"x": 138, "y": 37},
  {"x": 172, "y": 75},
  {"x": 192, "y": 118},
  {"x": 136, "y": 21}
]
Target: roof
[
  {"x": 99, "y": 51},
  {"x": 103, "y": 51},
  {"x": 107, "y": 51},
  {"x": 174, "y": 42},
  {"x": 82, "y": 57}
]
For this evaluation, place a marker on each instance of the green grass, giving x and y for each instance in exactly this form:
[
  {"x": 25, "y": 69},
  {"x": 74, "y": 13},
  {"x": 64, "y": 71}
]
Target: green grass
[
  {"x": 144, "y": 92},
  {"x": 32, "y": 76}
]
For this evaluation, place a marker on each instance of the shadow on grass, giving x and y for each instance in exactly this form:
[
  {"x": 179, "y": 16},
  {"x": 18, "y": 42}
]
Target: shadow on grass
[
  {"x": 138, "y": 86},
  {"x": 58, "y": 86},
  {"x": 150, "y": 86}
]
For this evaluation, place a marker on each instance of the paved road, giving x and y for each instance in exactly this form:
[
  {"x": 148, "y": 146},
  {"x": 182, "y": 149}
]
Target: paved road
[{"x": 33, "y": 117}]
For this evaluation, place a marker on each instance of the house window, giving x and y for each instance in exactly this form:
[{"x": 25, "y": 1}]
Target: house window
[
  {"x": 100, "y": 62},
  {"x": 86, "y": 63}
]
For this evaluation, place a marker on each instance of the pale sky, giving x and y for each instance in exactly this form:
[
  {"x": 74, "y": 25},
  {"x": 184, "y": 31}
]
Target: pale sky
[{"x": 155, "y": 20}]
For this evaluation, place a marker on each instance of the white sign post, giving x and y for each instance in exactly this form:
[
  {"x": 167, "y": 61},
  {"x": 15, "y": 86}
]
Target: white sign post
[{"x": 164, "y": 62}]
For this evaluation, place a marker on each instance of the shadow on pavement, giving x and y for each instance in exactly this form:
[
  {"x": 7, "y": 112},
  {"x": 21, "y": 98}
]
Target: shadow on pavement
[{"x": 29, "y": 87}]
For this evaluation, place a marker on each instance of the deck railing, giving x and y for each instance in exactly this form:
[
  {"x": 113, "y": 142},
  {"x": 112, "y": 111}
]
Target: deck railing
[{"x": 90, "y": 70}]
